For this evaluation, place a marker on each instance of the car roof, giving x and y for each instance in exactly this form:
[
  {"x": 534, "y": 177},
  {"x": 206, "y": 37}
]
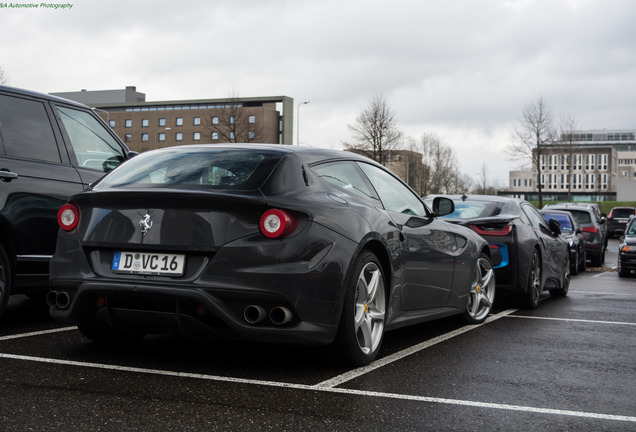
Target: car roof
[
  {"x": 569, "y": 206},
  {"x": 554, "y": 211},
  {"x": 489, "y": 198},
  {"x": 308, "y": 154},
  {"x": 34, "y": 94}
]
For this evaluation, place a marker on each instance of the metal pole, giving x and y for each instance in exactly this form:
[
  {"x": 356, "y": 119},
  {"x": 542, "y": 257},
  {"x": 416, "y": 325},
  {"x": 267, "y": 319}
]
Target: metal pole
[{"x": 298, "y": 122}]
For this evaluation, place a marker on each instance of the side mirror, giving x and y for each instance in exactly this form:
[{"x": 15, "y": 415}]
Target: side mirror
[
  {"x": 579, "y": 230},
  {"x": 601, "y": 220},
  {"x": 443, "y": 206},
  {"x": 131, "y": 154},
  {"x": 555, "y": 227}
]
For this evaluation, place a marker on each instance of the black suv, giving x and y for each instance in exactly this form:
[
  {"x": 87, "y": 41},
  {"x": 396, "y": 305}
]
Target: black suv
[
  {"x": 50, "y": 149},
  {"x": 592, "y": 221}
]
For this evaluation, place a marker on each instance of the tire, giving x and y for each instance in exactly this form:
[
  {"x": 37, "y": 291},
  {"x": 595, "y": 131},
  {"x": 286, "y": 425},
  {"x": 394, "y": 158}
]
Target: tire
[
  {"x": 574, "y": 265},
  {"x": 583, "y": 265},
  {"x": 621, "y": 271},
  {"x": 362, "y": 322},
  {"x": 109, "y": 336},
  {"x": 598, "y": 260},
  {"x": 5, "y": 280},
  {"x": 565, "y": 280},
  {"x": 482, "y": 292},
  {"x": 530, "y": 299}
]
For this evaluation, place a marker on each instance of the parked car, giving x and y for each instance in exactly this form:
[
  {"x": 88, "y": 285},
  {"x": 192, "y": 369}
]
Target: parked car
[
  {"x": 263, "y": 242},
  {"x": 594, "y": 227},
  {"x": 572, "y": 233},
  {"x": 618, "y": 219},
  {"x": 528, "y": 253},
  {"x": 45, "y": 142},
  {"x": 627, "y": 250}
]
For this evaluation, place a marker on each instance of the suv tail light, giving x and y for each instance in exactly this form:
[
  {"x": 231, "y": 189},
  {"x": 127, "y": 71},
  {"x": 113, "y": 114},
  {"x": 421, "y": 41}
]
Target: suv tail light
[
  {"x": 492, "y": 231},
  {"x": 590, "y": 229},
  {"x": 68, "y": 217},
  {"x": 277, "y": 223}
]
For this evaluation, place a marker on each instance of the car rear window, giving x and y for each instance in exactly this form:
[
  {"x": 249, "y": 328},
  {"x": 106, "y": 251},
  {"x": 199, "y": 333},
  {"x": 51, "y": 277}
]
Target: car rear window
[
  {"x": 581, "y": 217},
  {"x": 195, "y": 168},
  {"x": 622, "y": 213}
]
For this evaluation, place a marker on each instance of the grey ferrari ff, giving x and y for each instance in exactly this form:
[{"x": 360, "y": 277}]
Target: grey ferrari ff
[{"x": 269, "y": 243}]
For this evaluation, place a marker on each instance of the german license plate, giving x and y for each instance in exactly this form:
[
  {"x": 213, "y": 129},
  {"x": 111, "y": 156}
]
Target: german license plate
[{"x": 148, "y": 263}]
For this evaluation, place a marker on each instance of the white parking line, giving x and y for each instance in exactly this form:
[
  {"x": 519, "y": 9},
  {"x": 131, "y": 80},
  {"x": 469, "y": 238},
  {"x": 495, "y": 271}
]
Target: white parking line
[
  {"x": 37, "y": 333},
  {"x": 425, "y": 399},
  {"x": 348, "y": 376},
  {"x": 574, "y": 320}
]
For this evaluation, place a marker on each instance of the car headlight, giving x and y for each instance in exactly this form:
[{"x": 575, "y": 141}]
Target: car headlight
[{"x": 626, "y": 249}]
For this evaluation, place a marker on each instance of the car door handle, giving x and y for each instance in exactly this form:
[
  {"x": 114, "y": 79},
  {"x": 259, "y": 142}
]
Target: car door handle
[{"x": 6, "y": 175}]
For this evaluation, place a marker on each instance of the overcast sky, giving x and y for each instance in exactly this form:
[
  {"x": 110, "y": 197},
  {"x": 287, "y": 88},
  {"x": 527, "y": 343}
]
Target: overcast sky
[{"x": 461, "y": 69}]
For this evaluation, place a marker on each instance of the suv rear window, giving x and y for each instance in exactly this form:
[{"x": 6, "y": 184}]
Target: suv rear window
[{"x": 200, "y": 168}]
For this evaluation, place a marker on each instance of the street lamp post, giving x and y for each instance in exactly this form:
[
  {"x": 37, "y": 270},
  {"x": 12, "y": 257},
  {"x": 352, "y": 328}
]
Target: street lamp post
[
  {"x": 298, "y": 122},
  {"x": 157, "y": 135}
]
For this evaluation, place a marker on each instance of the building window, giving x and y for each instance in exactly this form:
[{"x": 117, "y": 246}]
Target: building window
[
  {"x": 196, "y": 136},
  {"x": 215, "y": 120},
  {"x": 128, "y": 123},
  {"x": 179, "y": 121},
  {"x": 144, "y": 137},
  {"x": 251, "y": 119},
  {"x": 231, "y": 119},
  {"x": 250, "y": 134},
  {"x": 144, "y": 122},
  {"x": 178, "y": 136},
  {"x": 215, "y": 136},
  {"x": 231, "y": 135},
  {"x": 161, "y": 137},
  {"x": 111, "y": 123},
  {"x": 197, "y": 121},
  {"x": 162, "y": 122},
  {"x": 128, "y": 138}
]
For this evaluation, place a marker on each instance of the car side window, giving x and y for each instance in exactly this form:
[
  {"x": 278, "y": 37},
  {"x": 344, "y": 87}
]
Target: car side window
[
  {"x": 394, "y": 195},
  {"x": 94, "y": 147},
  {"x": 345, "y": 176},
  {"x": 536, "y": 220},
  {"x": 25, "y": 130}
]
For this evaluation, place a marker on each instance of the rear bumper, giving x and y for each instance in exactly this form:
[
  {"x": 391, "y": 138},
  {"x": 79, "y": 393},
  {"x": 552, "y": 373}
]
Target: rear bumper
[{"x": 304, "y": 274}]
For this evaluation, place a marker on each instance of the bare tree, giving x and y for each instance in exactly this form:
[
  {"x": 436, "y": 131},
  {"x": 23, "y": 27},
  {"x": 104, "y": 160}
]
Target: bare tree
[
  {"x": 375, "y": 130},
  {"x": 534, "y": 134},
  {"x": 567, "y": 126},
  {"x": 231, "y": 122},
  {"x": 4, "y": 78},
  {"x": 441, "y": 166}
]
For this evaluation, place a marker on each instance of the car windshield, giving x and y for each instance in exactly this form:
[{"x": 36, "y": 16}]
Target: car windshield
[
  {"x": 622, "y": 213},
  {"x": 563, "y": 221},
  {"x": 195, "y": 168}
]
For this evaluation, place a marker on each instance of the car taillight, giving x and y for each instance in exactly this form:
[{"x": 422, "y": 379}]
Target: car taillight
[
  {"x": 590, "y": 229},
  {"x": 491, "y": 231},
  {"x": 277, "y": 223},
  {"x": 68, "y": 217}
]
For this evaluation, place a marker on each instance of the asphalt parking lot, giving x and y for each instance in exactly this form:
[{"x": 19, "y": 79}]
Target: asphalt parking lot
[{"x": 566, "y": 366}]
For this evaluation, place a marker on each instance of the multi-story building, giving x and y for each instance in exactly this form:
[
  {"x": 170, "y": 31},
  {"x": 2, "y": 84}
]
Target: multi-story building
[
  {"x": 148, "y": 125},
  {"x": 587, "y": 168}
]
